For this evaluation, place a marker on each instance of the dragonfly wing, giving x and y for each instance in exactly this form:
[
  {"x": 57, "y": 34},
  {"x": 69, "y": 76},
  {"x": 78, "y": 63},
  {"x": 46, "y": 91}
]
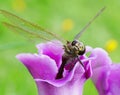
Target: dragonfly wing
[
  {"x": 24, "y": 32},
  {"x": 28, "y": 26},
  {"x": 89, "y": 23}
]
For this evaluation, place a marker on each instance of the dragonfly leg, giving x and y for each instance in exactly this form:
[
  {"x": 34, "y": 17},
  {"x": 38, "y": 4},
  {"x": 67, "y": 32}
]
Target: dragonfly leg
[{"x": 80, "y": 61}]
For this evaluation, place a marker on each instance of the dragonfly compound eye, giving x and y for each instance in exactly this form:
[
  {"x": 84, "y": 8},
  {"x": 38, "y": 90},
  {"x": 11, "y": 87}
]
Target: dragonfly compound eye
[
  {"x": 81, "y": 48},
  {"x": 74, "y": 42}
]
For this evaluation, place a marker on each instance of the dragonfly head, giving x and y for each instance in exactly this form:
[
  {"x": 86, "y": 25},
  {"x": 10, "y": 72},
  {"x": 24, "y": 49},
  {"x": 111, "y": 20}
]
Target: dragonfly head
[{"x": 78, "y": 47}]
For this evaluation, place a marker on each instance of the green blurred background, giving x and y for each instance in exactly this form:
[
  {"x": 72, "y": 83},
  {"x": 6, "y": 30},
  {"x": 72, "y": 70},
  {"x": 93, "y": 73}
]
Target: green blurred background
[{"x": 65, "y": 18}]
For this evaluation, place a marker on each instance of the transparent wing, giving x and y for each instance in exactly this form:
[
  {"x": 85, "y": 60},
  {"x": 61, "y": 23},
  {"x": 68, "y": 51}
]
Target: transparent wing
[
  {"x": 89, "y": 23},
  {"x": 27, "y": 28},
  {"x": 24, "y": 32}
]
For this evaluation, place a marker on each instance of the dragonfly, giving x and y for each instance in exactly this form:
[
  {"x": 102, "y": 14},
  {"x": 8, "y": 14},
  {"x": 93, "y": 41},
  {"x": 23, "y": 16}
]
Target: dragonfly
[{"x": 72, "y": 49}]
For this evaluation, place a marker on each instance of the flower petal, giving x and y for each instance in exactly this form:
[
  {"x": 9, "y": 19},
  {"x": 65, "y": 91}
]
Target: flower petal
[
  {"x": 88, "y": 49},
  {"x": 106, "y": 76},
  {"x": 78, "y": 72},
  {"x": 101, "y": 59},
  {"x": 69, "y": 76},
  {"x": 53, "y": 49},
  {"x": 40, "y": 66},
  {"x": 72, "y": 84},
  {"x": 68, "y": 89},
  {"x": 107, "y": 79}
]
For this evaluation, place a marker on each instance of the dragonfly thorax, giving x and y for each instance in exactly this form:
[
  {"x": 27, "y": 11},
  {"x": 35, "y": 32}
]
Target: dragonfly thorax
[{"x": 74, "y": 48}]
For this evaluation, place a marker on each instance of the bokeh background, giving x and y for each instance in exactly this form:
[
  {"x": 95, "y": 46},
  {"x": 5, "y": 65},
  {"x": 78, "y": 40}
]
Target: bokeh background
[{"x": 65, "y": 18}]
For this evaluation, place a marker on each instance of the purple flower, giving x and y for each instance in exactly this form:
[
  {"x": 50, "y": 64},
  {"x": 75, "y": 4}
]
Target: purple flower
[
  {"x": 106, "y": 75},
  {"x": 44, "y": 67}
]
